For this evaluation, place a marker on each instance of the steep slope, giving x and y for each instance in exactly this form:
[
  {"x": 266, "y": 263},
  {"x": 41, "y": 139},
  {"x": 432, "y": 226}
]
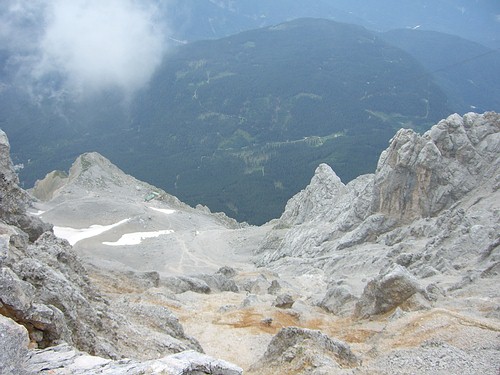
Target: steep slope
[
  {"x": 432, "y": 205},
  {"x": 213, "y": 19},
  {"x": 412, "y": 248},
  {"x": 395, "y": 272},
  {"x": 47, "y": 298},
  {"x": 468, "y": 72},
  {"x": 250, "y": 116}
]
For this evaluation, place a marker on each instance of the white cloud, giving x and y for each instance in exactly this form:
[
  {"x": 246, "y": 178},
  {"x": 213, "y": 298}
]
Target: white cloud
[{"x": 93, "y": 44}]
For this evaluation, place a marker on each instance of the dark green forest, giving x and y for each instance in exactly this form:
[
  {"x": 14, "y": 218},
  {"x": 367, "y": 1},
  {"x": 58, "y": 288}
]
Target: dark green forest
[{"x": 239, "y": 124}]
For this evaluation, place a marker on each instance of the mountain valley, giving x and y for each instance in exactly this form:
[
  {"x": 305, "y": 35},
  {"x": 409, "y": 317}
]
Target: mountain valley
[
  {"x": 239, "y": 124},
  {"x": 395, "y": 272}
]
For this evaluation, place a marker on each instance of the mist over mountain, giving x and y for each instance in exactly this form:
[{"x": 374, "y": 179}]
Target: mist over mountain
[
  {"x": 468, "y": 72},
  {"x": 476, "y": 20},
  {"x": 336, "y": 119},
  {"x": 246, "y": 118},
  {"x": 243, "y": 119}
]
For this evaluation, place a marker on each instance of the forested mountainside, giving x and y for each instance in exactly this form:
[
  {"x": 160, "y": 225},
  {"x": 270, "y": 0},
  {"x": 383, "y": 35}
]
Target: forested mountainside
[
  {"x": 468, "y": 72},
  {"x": 204, "y": 19},
  {"x": 240, "y": 123}
]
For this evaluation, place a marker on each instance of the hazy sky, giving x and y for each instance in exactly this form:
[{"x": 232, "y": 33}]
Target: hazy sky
[{"x": 95, "y": 44}]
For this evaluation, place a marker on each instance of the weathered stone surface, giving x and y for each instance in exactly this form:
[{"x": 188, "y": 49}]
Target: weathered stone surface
[
  {"x": 65, "y": 360},
  {"x": 418, "y": 176},
  {"x": 256, "y": 285},
  {"x": 181, "y": 284},
  {"x": 274, "y": 288},
  {"x": 219, "y": 282},
  {"x": 45, "y": 287},
  {"x": 422, "y": 175},
  {"x": 14, "y": 347},
  {"x": 296, "y": 349},
  {"x": 325, "y": 189},
  {"x": 13, "y": 199},
  {"x": 202, "y": 283},
  {"x": 338, "y": 300},
  {"x": 386, "y": 292},
  {"x": 284, "y": 301},
  {"x": 227, "y": 271}
]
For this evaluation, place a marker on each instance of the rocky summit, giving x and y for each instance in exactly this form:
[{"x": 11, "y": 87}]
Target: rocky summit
[{"x": 396, "y": 272}]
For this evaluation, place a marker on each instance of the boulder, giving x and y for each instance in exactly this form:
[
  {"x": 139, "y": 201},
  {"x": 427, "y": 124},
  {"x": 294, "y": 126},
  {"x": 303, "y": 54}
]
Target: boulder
[
  {"x": 295, "y": 350},
  {"x": 14, "y": 347},
  {"x": 387, "y": 291},
  {"x": 338, "y": 300},
  {"x": 284, "y": 301}
]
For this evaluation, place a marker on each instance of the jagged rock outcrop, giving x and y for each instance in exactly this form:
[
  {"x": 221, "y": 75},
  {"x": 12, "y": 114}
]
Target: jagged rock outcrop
[
  {"x": 304, "y": 351},
  {"x": 386, "y": 292},
  {"x": 45, "y": 288},
  {"x": 419, "y": 176},
  {"x": 13, "y": 199},
  {"x": 431, "y": 206}
]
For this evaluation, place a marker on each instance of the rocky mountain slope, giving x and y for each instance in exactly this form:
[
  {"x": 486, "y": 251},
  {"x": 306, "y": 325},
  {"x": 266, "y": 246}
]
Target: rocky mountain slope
[
  {"x": 48, "y": 299},
  {"x": 216, "y": 18},
  {"x": 394, "y": 273}
]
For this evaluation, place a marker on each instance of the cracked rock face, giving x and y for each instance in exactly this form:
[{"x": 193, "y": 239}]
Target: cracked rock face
[
  {"x": 14, "y": 343},
  {"x": 386, "y": 292},
  {"x": 418, "y": 176},
  {"x": 13, "y": 199}
]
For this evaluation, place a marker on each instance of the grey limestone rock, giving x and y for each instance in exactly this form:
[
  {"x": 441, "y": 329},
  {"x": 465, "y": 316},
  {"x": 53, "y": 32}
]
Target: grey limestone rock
[
  {"x": 325, "y": 189},
  {"x": 181, "y": 284},
  {"x": 338, "y": 300},
  {"x": 256, "y": 285},
  {"x": 432, "y": 207},
  {"x": 227, "y": 271},
  {"x": 13, "y": 199},
  {"x": 386, "y": 292},
  {"x": 284, "y": 301},
  {"x": 202, "y": 283},
  {"x": 274, "y": 288},
  {"x": 65, "y": 360},
  {"x": 296, "y": 349},
  {"x": 419, "y": 176},
  {"x": 219, "y": 282},
  {"x": 14, "y": 347}
]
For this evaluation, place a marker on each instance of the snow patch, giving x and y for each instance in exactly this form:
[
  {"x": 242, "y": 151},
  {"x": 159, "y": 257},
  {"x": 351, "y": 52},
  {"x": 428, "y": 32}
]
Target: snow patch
[
  {"x": 73, "y": 235},
  {"x": 137, "y": 237},
  {"x": 38, "y": 213},
  {"x": 164, "y": 210}
]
